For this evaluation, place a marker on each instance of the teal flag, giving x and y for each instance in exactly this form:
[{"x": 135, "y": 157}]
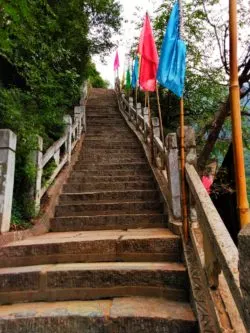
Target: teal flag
[
  {"x": 135, "y": 73},
  {"x": 172, "y": 65},
  {"x": 128, "y": 79}
]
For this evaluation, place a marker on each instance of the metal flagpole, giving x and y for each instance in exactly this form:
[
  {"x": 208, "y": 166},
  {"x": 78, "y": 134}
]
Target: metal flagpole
[
  {"x": 151, "y": 133},
  {"x": 160, "y": 115},
  {"x": 240, "y": 177},
  {"x": 182, "y": 153}
]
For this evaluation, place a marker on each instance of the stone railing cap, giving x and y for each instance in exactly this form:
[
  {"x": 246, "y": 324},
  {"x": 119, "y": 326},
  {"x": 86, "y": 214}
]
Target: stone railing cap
[{"x": 7, "y": 139}]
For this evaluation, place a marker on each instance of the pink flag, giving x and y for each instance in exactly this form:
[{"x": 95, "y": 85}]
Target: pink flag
[
  {"x": 116, "y": 62},
  {"x": 149, "y": 57}
]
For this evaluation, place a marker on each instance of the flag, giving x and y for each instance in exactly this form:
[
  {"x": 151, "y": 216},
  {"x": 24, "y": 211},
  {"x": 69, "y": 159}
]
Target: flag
[
  {"x": 172, "y": 65},
  {"x": 135, "y": 72},
  {"x": 149, "y": 58},
  {"x": 116, "y": 62},
  {"x": 128, "y": 80}
]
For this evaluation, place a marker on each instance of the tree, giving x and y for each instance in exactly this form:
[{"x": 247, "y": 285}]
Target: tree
[{"x": 45, "y": 50}]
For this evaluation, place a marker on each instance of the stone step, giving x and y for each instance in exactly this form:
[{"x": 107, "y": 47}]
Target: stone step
[
  {"x": 123, "y": 315},
  {"x": 114, "y": 166},
  {"x": 83, "y": 208},
  {"x": 110, "y": 156},
  {"x": 110, "y": 221},
  {"x": 105, "y": 159},
  {"x": 90, "y": 173},
  {"x": 106, "y": 186},
  {"x": 115, "y": 147},
  {"x": 152, "y": 245},
  {"x": 85, "y": 281},
  {"x": 109, "y": 195},
  {"x": 112, "y": 150},
  {"x": 112, "y": 179}
]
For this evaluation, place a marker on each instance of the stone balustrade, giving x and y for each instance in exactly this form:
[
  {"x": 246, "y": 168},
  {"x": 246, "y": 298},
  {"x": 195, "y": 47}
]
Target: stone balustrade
[
  {"x": 216, "y": 254},
  {"x": 60, "y": 152}
]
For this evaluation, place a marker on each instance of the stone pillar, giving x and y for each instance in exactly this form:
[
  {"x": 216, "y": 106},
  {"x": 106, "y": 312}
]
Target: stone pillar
[
  {"x": 131, "y": 104},
  {"x": 77, "y": 117},
  {"x": 84, "y": 121},
  {"x": 172, "y": 162},
  {"x": 244, "y": 269},
  {"x": 7, "y": 173},
  {"x": 38, "y": 159},
  {"x": 146, "y": 124},
  {"x": 68, "y": 122},
  {"x": 138, "y": 112},
  {"x": 191, "y": 158},
  {"x": 156, "y": 127}
]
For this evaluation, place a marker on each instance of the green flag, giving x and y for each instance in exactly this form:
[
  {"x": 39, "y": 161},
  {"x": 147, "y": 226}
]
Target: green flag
[{"x": 128, "y": 79}]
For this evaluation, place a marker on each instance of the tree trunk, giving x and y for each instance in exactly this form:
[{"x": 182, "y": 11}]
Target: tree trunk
[{"x": 213, "y": 135}]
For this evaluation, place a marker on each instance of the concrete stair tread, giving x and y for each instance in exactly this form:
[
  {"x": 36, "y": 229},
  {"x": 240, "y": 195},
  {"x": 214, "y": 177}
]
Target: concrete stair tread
[
  {"x": 150, "y": 315},
  {"x": 84, "y": 281},
  {"x": 62, "y": 237},
  {"x": 126, "y": 201},
  {"x": 112, "y": 213}
]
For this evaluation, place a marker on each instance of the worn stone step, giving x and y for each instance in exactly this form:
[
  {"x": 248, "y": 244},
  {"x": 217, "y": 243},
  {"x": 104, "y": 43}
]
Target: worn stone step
[
  {"x": 112, "y": 150},
  {"x": 106, "y": 186},
  {"x": 83, "y": 208},
  {"x": 109, "y": 195},
  {"x": 112, "y": 160},
  {"x": 121, "y": 315},
  {"x": 91, "y": 173},
  {"x": 110, "y": 221},
  {"x": 110, "y": 157},
  {"x": 83, "y": 281},
  {"x": 111, "y": 179},
  {"x": 113, "y": 166},
  {"x": 152, "y": 245}
]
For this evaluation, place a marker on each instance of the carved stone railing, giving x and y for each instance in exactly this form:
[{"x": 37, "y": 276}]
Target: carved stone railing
[
  {"x": 215, "y": 253},
  {"x": 60, "y": 152}
]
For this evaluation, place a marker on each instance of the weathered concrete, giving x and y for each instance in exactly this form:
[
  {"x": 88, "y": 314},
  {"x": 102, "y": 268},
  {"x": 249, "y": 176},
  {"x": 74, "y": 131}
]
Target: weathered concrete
[
  {"x": 7, "y": 172},
  {"x": 244, "y": 269},
  {"x": 173, "y": 173},
  {"x": 119, "y": 315}
]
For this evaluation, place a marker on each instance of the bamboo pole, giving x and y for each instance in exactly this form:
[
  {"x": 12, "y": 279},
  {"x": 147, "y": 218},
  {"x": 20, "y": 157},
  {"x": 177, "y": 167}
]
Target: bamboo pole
[
  {"x": 242, "y": 201},
  {"x": 151, "y": 133},
  {"x": 160, "y": 115},
  {"x": 182, "y": 153},
  {"x": 183, "y": 183}
]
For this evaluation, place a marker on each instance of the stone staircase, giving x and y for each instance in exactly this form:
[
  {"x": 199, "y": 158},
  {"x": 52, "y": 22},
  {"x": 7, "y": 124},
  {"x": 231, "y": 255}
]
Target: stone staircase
[{"x": 109, "y": 263}]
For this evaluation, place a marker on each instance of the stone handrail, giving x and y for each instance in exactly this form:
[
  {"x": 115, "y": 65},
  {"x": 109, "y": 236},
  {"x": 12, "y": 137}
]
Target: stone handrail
[
  {"x": 216, "y": 251},
  {"x": 60, "y": 152}
]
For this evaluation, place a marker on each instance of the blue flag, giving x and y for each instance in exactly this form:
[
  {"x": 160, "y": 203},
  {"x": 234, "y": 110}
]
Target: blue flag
[
  {"x": 135, "y": 72},
  {"x": 172, "y": 65}
]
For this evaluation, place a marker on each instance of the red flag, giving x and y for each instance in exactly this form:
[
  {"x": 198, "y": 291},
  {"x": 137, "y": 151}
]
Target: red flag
[
  {"x": 149, "y": 58},
  {"x": 116, "y": 62}
]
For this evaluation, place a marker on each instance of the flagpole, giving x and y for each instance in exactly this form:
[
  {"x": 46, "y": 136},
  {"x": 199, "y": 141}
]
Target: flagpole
[
  {"x": 182, "y": 152},
  {"x": 238, "y": 149},
  {"x": 160, "y": 115},
  {"x": 150, "y": 130}
]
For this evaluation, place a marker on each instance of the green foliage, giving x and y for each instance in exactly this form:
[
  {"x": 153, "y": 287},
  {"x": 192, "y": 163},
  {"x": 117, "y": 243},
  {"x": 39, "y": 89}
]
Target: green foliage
[
  {"x": 95, "y": 78},
  {"x": 45, "y": 51}
]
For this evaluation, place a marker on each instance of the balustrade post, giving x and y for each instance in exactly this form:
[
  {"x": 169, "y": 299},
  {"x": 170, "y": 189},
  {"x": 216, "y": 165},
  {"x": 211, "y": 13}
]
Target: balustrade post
[
  {"x": 156, "y": 127},
  {"x": 146, "y": 124},
  {"x": 191, "y": 158},
  {"x": 84, "y": 121},
  {"x": 68, "y": 122},
  {"x": 138, "y": 112},
  {"x": 77, "y": 118},
  {"x": 172, "y": 162},
  {"x": 38, "y": 159},
  {"x": 7, "y": 173},
  {"x": 131, "y": 104},
  {"x": 244, "y": 269}
]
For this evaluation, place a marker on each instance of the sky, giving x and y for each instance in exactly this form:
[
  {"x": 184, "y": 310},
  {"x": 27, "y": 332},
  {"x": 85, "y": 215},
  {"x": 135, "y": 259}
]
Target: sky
[
  {"x": 134, "y": 12},
  {"x": 127, "y": 35}
]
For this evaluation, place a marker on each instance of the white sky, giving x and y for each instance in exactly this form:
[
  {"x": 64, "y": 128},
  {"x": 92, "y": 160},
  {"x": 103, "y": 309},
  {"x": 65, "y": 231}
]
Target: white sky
[
  {"x": 127, "y": 35},
  {"x": 134, "y": 12}
]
